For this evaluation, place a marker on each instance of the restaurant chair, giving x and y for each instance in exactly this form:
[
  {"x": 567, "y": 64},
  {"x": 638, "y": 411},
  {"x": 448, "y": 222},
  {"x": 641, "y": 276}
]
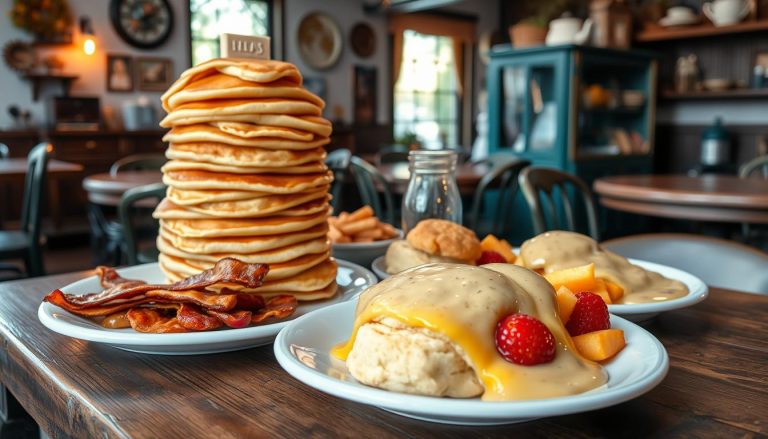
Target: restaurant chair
[
  {"x": 15, "y": 271},
  {"x": 751, "y": 170},
  {"x": 503, "y": 178},
  {"x": 338, "y": 162},
  {"x": 369, "y": 182},
  {"x": 392, "y": 154},
  {"x": 25, "y": 242},
  {"x": 131, "y": 234},
  {"x": 138, "y": 162},
  {"x": 718, "y": 262},
  {"x": 539, "y": 183}
]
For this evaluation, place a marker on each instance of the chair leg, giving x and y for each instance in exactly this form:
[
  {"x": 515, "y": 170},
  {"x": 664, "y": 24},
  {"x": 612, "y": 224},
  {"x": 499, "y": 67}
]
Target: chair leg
[{"x": 33, "y": 261}]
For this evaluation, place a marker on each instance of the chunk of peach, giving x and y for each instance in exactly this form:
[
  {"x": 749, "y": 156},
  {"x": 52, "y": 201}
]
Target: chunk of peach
[
  {"x": 502, "y": 247},
  {"x": 576, "y": 279},
  {"x": 566, "y": 301},
  {"x": 601, "y": 289},
  {"x": 600, "y": 345},
  {"x": 614, "y": 290}
]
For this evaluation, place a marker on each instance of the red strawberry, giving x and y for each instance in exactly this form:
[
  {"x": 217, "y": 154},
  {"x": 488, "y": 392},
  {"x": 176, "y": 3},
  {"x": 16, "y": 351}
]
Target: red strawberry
[
  {"x": 523, "y": 339},
  {"x": 490, "y": 257},
  {"x": 590, "y": 314}
]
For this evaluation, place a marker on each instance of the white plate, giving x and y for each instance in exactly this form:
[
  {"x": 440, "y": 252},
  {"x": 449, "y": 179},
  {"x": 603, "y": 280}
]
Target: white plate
[
  {"x": 363, "y": 253},
  {"x": 302, "y": 349},
  {"x": 678, "y": 21},
  {"x": 351, "y": 278},
  {"x": 636, "y": 312}
]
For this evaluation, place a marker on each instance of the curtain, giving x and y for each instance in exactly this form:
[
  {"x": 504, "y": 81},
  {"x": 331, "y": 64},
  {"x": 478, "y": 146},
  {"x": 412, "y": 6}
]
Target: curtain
[{"x": 459, "y": 30}]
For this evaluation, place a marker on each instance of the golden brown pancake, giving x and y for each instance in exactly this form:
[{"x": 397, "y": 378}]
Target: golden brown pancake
[
  {"x": 209, "y": 134},
  {"x": 314, "y": 124},
  {"x": 272, "y": 183},
  {"x": 280, "y": 270},
  {"x": 221, "y": 86},
  {"x": 250, "y": 130},
  {"x": 191, "y": 197},
  {"x": 282, "y": 254},
  {"x": 263, "y": 206},
  {"x": 226, "y": 107},
  {"x": 241, "y": 244},
  {"x": 183, "y": 165},
  {"x": 313, "y": 279},
  {"x": 167, "y": 210},
  {"x": 228, "y": 155},
  {"x": 209, "y": 228}
]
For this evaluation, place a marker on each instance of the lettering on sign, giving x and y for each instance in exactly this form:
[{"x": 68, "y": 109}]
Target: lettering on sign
[{"x": 244, "y": 46}]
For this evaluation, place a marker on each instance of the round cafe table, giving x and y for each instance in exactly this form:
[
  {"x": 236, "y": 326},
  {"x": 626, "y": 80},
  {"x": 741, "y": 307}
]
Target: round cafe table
[
  {"x": 721, "y": 198},
  {"x": 467, "y": 176},
  {"x": 106, "y": 190}
]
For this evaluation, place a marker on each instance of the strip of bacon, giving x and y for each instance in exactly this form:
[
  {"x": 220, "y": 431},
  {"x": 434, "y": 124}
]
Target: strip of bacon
[
  {"x": 278, "y": 307},
  {"x": 236, "y": 319},
  {"x": 218, "y": 302},
  {"x": 152, "y": 321},
  {"x": 190, "y": 317},
  {"x": 108, "y": 277},
  {"x": 253, "y": 302},
  {"x": 227, "y": 270}
]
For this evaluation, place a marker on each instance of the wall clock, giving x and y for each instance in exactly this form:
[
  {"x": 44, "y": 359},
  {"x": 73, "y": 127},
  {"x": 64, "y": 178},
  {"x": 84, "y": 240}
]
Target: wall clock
[{"x": 142, "y": 23}]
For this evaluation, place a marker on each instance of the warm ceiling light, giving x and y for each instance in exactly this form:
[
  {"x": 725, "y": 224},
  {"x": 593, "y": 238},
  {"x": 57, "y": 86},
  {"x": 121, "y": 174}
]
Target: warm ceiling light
[{"x": 86, "y": 30}]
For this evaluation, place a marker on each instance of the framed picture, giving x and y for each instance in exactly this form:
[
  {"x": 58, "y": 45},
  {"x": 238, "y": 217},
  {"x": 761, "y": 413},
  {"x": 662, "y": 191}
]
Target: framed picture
[
  {"x": 316, "y": 86},
  {"x": 154, "y": 74},
  {"x": 119, "y": 73},
  {"x": 365, "y": 95}
]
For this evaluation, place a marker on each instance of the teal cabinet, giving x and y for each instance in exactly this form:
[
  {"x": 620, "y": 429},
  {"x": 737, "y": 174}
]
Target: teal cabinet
[{"x": 588, "y": 111}]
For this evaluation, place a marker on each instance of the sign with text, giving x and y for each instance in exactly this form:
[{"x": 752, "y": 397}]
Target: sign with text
[{"x": 244, "y": 46}]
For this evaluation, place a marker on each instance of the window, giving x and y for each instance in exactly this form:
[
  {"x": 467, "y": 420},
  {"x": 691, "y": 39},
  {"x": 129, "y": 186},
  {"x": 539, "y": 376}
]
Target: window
[
  {"x": 426, "y": 99},
  {"x": 209, "y": 18}
]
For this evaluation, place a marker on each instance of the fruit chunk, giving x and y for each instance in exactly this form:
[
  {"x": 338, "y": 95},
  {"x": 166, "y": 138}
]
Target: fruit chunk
[
  {"x": 614, "y": 290},
  {"x": 600, "y": 345},
  {"x": 490, "y": 257},
  {"x": 502, "y": 247},
  {"x": 524, "y": 340},
  {"x": 602, "y": 290},
  {"x": 566, "y": 301},
  {"x": 580, "y": 278},
  {"x": 589, "y": 314}
]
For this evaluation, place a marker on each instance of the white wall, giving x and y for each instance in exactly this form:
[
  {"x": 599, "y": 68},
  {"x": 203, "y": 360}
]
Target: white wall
[
  {"x": 92, "y": 69},
  {"x": 339, "y": 78}
]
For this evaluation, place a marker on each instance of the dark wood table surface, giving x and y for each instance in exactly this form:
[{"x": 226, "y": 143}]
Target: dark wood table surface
[
  {"x": 16, "y": 167},
  {"x": 106, "y": 190},
  {"x": 717, "y": 385},
  {"x": 467, "y": 176},
  {"x": 707, "y": 198}
]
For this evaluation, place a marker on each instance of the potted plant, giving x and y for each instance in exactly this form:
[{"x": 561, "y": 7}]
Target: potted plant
[
  {"x": 410, "y": 140},
  {"x": 532, "y": 31}
]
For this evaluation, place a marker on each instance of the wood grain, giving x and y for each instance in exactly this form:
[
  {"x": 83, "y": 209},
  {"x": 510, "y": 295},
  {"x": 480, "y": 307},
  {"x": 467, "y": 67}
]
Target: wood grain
[{"x": 717, "y": 385}]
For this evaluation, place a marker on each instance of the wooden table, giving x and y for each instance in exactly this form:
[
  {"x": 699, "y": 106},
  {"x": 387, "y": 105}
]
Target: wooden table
[
  {"x": 467, "y": 176},
  {"x": 706, "y": 198},
  {"x": 106, "y": 190},
  {"x": 717, "y": 385}
]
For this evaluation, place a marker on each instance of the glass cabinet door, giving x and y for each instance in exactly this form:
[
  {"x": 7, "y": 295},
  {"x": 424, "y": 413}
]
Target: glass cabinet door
[{"x": 543, "y": 108}]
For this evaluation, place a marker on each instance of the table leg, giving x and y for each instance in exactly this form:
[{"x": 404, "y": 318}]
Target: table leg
[{"x": 15, "y": 422}]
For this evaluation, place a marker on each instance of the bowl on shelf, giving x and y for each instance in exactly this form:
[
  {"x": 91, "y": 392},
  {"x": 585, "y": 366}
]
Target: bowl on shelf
[
  {"x": 632, "y": 98},
  {"x": 717, "y": 84}
]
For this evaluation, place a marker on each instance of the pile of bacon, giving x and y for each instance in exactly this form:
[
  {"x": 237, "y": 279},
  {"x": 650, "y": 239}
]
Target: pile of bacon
[{"x": 184, "y": 306}]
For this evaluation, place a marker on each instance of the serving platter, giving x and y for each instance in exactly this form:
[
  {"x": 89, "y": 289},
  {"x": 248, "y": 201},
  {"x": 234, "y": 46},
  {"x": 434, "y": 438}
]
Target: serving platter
[
  {"x": 363, "y": 253},
  {"x": 636, "y": 312},
  {"x": 351, "y": 278},
  {"x": 303, "y": 347}
]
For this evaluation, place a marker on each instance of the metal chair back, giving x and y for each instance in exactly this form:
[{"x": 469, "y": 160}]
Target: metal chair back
[
  {"x": 758, "y": 164},
  {"x": 34, "y": 193},
  {"x": 367, "y": 178},
  {"x": 540, "y": 185},
  {"x": 138, "y": 162},
  {"x": 338, "y": 162},
  {"x": 503, "y": 177},
  {"x": 124, "y": 212}
]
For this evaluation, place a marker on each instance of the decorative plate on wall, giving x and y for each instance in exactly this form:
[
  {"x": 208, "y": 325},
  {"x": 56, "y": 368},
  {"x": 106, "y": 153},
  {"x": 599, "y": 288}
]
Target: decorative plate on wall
[
  {"x": 142, "y": 23},
  {"x": 363, "y": 40},
  {"x": 19, "y": 56},
  {"x": 319, "y": 40}
]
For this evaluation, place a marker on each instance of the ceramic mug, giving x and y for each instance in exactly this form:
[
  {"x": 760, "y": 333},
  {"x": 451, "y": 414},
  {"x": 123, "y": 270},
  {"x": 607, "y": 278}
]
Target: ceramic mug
[
  {"x": 725, "y": 12},
  {"x": 680, "y": 12}
]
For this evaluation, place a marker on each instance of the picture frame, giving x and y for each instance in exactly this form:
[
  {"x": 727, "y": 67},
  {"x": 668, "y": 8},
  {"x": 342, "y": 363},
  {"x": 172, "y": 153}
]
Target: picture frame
[
  {"x": 154, "y": 74},
  {"x": 119, "y": 73},
  {"x": 364, "y": 92}
]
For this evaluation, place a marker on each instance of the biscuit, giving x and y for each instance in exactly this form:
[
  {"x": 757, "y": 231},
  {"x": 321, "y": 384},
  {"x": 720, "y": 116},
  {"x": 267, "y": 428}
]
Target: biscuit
[{"x": 447, "y": 239}]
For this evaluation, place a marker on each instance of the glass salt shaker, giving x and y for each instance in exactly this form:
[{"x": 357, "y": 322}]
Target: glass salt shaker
[{"x": 432, "y": 191}]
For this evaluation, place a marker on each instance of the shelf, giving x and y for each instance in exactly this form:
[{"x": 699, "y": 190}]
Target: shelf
[
  {"x": 38, "y": 79},
  {"x": 699, "y": 31},
  {"x": 743, "y": 93},
  {"x": 618, "y": 110}
]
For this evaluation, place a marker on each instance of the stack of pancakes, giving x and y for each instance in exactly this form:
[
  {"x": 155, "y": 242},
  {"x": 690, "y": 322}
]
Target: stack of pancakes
[{"x": 247, "y": 177}]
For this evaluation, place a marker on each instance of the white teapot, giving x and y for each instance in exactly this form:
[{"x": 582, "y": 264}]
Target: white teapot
[
  {"x": 568, "y": 30},
  {"x": 726, "y": 12}
]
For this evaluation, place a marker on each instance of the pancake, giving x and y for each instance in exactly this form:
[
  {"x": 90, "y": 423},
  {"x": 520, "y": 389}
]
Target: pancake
[
  {"x": 272, "y": 183},
  {"x": 210, "y": 228},
  {"x": 167, "y": 210},
  {"x": 227, "y": 107},
  {"x": 228, "y": 155},
  {"x": 221, "y": 86},
  {"x": 191, "y": 197},
  {"x": 241, "y": 244},
  {"x": 261, "y": 207},
  {"x": 280, "y": 270},
  {"x": 283, "y": 254},
  {"x": 249, "y": 130},
  {"x": 263, "y": 71},
  {"x": 208, "y": 133},
  {"x": 313, "y": 124},
  {"x": 313, "y": 279},
  {"x": 307, "y": 168}
]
